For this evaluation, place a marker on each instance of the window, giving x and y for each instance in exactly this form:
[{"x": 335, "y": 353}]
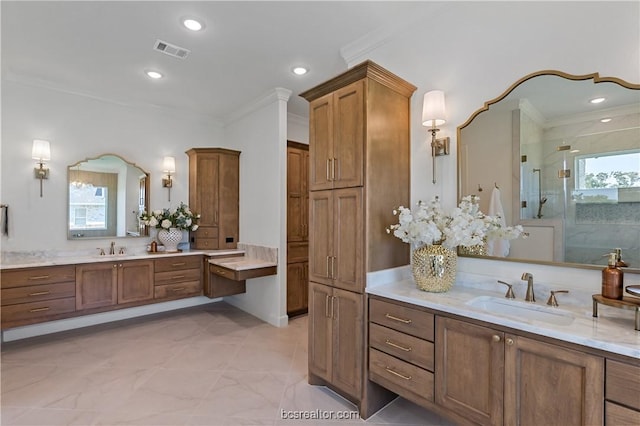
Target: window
[
  {"x": 605, "y": 177},
  {"x": 87, "y": 207}
]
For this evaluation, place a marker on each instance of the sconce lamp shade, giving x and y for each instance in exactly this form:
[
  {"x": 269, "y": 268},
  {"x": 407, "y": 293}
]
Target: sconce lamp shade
[
  {"x": 41, "y": 150},
  {"x": 169, "y": 165},
  {"x": 433, "y": 110}
]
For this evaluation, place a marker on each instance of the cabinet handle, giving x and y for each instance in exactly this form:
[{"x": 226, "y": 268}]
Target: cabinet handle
[
  {"x": 178, "y": 264},
  {"x": 391, "y": 317},
  {"x": 177, "y": 289},
  {"x": 397, "y": 346},
  {"x": 333, "y": 298},
  {"x": 495, "y": 338},
  {"x": 328, "y": 269},
  {"x": 326, "y": 305},
  {"x": 220, "y": 272},
  {"x": 39, "y": 309},
  {"x": 509, "y": 341},
  {"x": 177, "y": 277},
  {"x": 402, "y": 376},
  {"x": 335, "y": 161},
  {"x": 333, "y": 262},
  {"x": 328, "y": 169},
  {"x": 115, "y": 266},
  {"x": 39, "y": 277},
  {"x": 120, "y": 265},
  {"x": 39, "y": 293}
]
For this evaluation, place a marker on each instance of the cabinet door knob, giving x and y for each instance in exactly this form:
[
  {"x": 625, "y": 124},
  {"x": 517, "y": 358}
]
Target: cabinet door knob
[
  {"x": 495, "y": 338},
  {"x": 509, "y": 341}
]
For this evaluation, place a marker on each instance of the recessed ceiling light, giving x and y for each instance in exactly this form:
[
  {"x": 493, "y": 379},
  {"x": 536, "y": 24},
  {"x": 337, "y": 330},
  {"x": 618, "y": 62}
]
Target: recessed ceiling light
[
  {"x": 300, "y": 70},
  {"x": 596, "y": 100},
  {"x": 605, "y": 120},
  {"x": 192, "y": 24},
  {"x": 153, "y": 74}
]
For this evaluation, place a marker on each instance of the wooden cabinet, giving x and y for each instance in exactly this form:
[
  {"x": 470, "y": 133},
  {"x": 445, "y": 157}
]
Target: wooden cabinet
[
  {"x": 335, "y": 257},
  {"x": 358, "y": 171},
  {"x": 401, "y": 350},
  {"x": 622, "y": 393},
  {"x": 34, "y": 295},
  {"x": 214, "y": 175},
  {"x": 336, "y": 138},
  {"x": 495, "y": 378},
  {"x": 297, "y": 287},
  {"x": 297, "y": 228},
  {"x": 105, "y": 284},
  {"x": 336, "y": 350},
  {"x": 177, "y": 277}
]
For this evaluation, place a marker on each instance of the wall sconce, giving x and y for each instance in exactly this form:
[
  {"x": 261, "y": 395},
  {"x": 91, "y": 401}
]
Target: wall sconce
[
  {"x": 433, "y": 113},
  {"x": 169, "y": 167},
  {"x": 41, "y": 151}
]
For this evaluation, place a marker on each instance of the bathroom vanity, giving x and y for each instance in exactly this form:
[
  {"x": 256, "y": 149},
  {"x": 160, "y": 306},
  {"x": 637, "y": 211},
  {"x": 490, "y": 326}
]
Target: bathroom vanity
[
  {"x": 35, "y": 291},
  {"x": 481, "y": 367}
]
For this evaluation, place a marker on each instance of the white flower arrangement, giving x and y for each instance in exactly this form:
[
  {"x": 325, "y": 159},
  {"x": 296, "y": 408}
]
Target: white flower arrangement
[
  {"x": 181, "y": 218},
  {"x": 466, "y": 225}
]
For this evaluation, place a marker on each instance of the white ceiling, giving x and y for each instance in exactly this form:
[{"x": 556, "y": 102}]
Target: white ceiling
[{"x": 247, "y": 49}]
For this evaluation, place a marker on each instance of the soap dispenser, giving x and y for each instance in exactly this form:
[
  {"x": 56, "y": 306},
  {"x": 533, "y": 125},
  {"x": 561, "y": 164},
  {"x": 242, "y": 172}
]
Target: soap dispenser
[
  {"x": 619, "y": 262},
  {"x": 612, "y": 279}
]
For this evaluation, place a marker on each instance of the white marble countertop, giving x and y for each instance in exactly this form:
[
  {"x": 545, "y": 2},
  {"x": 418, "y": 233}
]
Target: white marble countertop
[
  {"x": 39, "y": 259},
  {"x": 241, "y": 263},
  {"x": 612, "y": 331}
]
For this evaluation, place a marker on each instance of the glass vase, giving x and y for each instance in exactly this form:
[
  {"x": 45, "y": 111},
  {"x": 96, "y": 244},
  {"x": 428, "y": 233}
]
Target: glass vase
[{"x": 434, "y": 268}]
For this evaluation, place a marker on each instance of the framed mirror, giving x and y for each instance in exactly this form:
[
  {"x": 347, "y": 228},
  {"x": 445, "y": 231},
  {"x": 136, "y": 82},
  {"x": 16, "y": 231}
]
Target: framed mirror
[
  {"x": 105, "y": 197},
  {"x": 565, "y": 166}
]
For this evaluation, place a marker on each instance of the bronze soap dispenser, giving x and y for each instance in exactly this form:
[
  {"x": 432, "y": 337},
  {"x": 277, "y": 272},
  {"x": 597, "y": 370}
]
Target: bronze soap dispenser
[{"x": 612, "y": 277}]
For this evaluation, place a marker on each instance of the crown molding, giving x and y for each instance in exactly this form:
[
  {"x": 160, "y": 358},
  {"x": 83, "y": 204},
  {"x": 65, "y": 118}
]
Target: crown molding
[{"x": 274, "y": 95}]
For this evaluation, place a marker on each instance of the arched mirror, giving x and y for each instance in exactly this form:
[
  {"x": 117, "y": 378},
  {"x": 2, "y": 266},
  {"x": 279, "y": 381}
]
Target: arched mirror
[
  {"x": 564, "y": 152},
  {"x": 105, "y": 197}
]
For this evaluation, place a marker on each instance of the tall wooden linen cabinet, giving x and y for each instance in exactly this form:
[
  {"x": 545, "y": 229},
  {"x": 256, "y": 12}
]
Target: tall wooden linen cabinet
[
  {"x": 359, "y": 172},
  {"x": 214, "y": 175}
]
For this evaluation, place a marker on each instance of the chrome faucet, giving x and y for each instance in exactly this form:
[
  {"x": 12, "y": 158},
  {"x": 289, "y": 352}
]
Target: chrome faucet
[
  {"x": 529, "y": 297},
  {"x": 112, "y": 250}
]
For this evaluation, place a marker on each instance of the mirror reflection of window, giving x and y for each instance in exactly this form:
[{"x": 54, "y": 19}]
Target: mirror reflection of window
[{"x": 88, "y": 207}]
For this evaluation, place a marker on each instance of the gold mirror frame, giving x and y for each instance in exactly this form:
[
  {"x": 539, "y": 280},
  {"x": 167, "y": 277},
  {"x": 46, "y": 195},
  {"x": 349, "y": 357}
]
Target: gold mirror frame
[
  {"x": 596, "y": 79},
  {"x": 132, "y": 228}
]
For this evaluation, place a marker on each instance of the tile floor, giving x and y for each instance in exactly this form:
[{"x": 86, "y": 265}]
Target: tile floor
[{"x": 209, "y": 365}]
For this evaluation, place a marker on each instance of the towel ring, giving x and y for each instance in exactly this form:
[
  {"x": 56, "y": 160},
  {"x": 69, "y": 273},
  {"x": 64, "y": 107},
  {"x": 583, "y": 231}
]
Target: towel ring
[{"x": 496, "y": 185}]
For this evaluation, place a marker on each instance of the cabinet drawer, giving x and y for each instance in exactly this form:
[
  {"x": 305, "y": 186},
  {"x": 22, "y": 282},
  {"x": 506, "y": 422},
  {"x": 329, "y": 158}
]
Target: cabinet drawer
[
  {"x": 622, "y": 383},
  {"x": 411, "y": 321},
  {"x": 34, "y": 276},
  {"x": 206, "y": 243},
  {"x": 171, "y": 277},
  {"x": 297, "y": 252},
  {"x": 187, "y": 288},
  {"x": 615, "y": 415},
  {"x": 403, "y": 346},
  {"x": 177, "y": 263},
  {"x": 33, "y": 310},
  {"x": 207, "y": 232},
  {"x": 36, "y": 293},
  {"x": 400, "y": 377}
]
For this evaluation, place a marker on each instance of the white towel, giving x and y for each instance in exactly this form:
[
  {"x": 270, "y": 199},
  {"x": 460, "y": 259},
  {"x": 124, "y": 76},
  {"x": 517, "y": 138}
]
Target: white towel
[{"x": 497, "y": 247}]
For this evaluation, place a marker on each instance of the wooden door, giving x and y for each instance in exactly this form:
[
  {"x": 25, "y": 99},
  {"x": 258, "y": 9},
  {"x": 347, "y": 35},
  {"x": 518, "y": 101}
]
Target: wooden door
[
  {"x": 135, "y": 281},
  {"x": 205, "y": 190},
  {"x": 320, "y": 331},
  {"x": 321, "y": 136},
  {"x": 347, "y": 266},
  {"x": 297, "y": 288},
  {"x": 297, "y": 195},
  {"x": 321, "y": 231},
  {"x": 348, "y": 345},
  {"x": 469, "y": 370},
  {"x": 96, "y": 285},
  {"x": 348, "y": 141},
  {"x": 568, "y": 384},
  {"x": 228, "y": 217}
]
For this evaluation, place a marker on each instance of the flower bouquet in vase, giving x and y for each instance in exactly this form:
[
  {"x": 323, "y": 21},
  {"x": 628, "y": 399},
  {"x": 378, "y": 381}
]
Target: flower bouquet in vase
[
  {"x": 435, "y": 236},
  {"x": 171, "y": 224}
]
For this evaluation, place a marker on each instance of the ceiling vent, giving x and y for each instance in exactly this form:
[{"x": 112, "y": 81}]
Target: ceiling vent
[{"x": 171, "y": 49}]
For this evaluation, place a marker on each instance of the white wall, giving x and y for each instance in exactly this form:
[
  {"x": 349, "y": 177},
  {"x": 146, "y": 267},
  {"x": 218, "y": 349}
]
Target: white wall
[
  {"x": 297, "y": 128},
  {"x": 260, "y": 133},
  {"x": 475, "y": 50},
  {"x": 79, "y": 127}
]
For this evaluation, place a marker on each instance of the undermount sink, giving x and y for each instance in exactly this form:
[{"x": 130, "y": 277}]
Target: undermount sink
[{"x": 521, "y": 310}]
